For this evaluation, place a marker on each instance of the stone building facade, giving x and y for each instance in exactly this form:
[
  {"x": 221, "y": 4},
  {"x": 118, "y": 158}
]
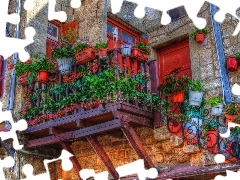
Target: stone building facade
[{"x": 164, "y": 148}]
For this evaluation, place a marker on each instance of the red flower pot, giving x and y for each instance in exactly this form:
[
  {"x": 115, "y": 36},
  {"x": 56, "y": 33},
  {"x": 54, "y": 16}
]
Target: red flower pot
[
  {"x": 145, "y": 41},
  {"x": 232, "y": 64},
  {"x": 229, "y": 118},
  {"x": 178, "y": 97},
  {"x": 102, "y": 52},
  {"x": 139, "y": 55},
  {"x": 212, "y": 141},
  {"x": 23, "y": 79},
  {"x": 85, "y": 56},
  {"x": 200, "y": 38},
  {"x": 42, "y": 76}
]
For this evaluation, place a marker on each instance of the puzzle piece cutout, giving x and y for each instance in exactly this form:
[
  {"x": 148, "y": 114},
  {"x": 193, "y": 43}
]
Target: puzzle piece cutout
[
  {"x": 192, "y": 9},
  {"x": 18, "y": 126},
  {"x": 66, "y": 165},
  {"x": 17, "y": 45},
  {"x": 7, "y": 163},
  {"x": 230, "y": 175}
]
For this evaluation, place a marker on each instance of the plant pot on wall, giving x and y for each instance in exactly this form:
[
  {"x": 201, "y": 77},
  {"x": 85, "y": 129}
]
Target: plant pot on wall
[
  {"x": 200, "y": 38},
  {"x": 178, "y": 97},
  {"x": 195, "y": 98},
  {"x": 232, "y": 64},
  {"x": 85, "y": 55},
  {"x": 139, "y": 55},
  {"x": 42, "y": 76},
  {"x": 65, "y": 65},
  {"x": 217, "y": 110},
  {"x": 126, "y": 50}
]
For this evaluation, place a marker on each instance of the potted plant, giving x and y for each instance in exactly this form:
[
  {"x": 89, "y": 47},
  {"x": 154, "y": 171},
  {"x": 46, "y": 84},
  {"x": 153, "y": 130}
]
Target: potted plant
[
  {"x": 231, "y": 111},
  {"x": 84, "y": 52},
  {"x": 140, "y": 52},
  {"x": 199, "y": 35},
  {"x": 40, "y": 66},
  {"x": 175, "y": 87},
  {"x": 101, "y": 48},
  {"x": 216, "y": 104},
  {"x": 210, "y": 131},
  {"x": 126, "y": 48},
  {"x": 233, "y": 62},
  {"x": 22, "y": 70},
  {"x": 195, "y": 92}
]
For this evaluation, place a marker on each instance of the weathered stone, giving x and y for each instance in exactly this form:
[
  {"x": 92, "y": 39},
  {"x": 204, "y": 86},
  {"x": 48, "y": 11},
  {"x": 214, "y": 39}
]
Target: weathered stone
[
  {"x": 190, "y": 149},
  {"x": 182, "y": 157},
  {"x": 161, "y": 133},
  {"x": 167, "y": 147},
  {"x": 208, "y": 159},
  {"x": 176, "y": 141}
]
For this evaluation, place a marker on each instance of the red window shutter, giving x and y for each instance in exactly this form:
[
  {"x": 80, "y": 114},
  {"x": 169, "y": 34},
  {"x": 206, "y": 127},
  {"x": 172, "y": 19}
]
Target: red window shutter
[
  {"x": 49, "y": 47},
  {"x": 73, "y": 25},
  {"x": 1, "y": 75}
]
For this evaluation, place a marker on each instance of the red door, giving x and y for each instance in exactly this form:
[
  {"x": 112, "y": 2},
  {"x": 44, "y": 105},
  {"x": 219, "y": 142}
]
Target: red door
[{"x": 176, "y": 56}]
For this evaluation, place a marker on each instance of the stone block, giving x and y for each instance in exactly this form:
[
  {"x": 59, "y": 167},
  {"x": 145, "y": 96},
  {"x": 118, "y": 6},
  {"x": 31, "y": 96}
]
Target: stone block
[
  {"x": 161, "y": 133},
  {"x": 190, "y": 149},
  {"x": 166, "y": 146},
  {"x": 176, "y": 141},
  {"x": 196, "y": 159},
  {"x": 182, "y": 157}
]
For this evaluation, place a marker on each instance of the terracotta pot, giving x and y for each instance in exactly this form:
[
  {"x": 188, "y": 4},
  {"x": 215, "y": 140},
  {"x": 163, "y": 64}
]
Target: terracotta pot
[
  {"x": 200, "y": 38},
  {"x": 139, "y": 55},
  {"x": 232, "y": 64},
  {"x": 42, "y": 76},
  {"x": 178, "y": 97},
  {"x": 23, "y": 79},
  {"x": 102, "y": 53},
  {"x": 212, "y": 141},
  {"x": 85, "y": 56},
  {"x": 145, "y": 41},
  {"x": 229, "y": 118}
]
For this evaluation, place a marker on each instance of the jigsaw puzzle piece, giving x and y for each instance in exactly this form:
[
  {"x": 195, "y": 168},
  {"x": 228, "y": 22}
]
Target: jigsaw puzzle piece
[
  {"x": 116, "y": 5},
  {"x": 7, "y": 163},
  {"x": 29, "y": 5},
  {"x": 137, "y": 167},
  {"x": 52, "y": 14},
  {"x": 75, "y": 3}
]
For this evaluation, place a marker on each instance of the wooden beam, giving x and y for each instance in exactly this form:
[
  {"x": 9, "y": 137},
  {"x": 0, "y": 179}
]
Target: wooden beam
[
  {"x": 103, "y": 156},
  {"x": 68, "y": 148},
  {"x": 137, "y": 145},
  {"x": 99, "y": 128}
]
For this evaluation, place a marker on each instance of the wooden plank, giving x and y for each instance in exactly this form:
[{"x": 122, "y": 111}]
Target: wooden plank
[
  {"x": 103, "y": 156},
  {"x": 137, "y": 145},
  {"x": 99, "y": 128},
  {"x": 67, "y": 147}
]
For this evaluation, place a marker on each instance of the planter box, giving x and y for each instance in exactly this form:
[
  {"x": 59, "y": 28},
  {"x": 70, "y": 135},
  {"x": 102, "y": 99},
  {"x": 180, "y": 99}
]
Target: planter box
[
  {"x": 23, "y": 79},
  {"x": 139, "y": 55},
  {"x": 195, "y": 98},
  {"x": 65, "y": 65},
  {"x": 85, "y": 56},
  {"x": 217, "y": 110},
  {"x": 178, "y": 97},
  {"x": 126, "y": 50}
]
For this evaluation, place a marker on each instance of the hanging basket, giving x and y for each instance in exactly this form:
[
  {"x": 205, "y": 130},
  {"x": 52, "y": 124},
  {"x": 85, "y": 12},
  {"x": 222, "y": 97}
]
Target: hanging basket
[
  {"x": 232, "y": 64},
  {"x": 65, "y": 65},
  {"x": 195, "y": 98},
  {"x": 217, "y": 110},
  {"x": 85, "y": 56},
  {"x": 229, "y": 118},
  {"x": 126, "y": 50},
  {"x": 102, "y": 53},
  {"x": 178, "y": 97},
  {"x": 139, "y": 55},
  {"x": 42, "y": 76},
  {"x": 212, "y": 141},
  {"x": 200, "y": 38},
  {"x": 23, "y": 79}
]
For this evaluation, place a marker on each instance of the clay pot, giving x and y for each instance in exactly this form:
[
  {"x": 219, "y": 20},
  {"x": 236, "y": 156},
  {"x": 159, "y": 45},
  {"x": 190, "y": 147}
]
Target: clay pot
[
  {"x": 232, "y": 64},
  {"x": 85, "y": 56},
  {"x": 178, "y": 97},
  {"x": 42, "y": 76},
  {"x": 200, "y": 38},
  {"x": 139, "y": 55}
]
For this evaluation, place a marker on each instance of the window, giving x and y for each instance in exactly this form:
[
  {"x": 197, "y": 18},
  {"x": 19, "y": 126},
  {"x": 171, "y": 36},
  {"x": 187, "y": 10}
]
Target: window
[
  {"x": 52, "y": 32},
  {"x": 177, "y": 13}
]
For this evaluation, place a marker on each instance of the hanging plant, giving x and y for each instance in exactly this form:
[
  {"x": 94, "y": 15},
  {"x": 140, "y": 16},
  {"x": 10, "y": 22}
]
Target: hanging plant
[
  {"x": 199, "y": 35},
  {"x": 141, "y": 52},
  {"x": 84, "y": 52},
  {"x": 101, "y": 49}
]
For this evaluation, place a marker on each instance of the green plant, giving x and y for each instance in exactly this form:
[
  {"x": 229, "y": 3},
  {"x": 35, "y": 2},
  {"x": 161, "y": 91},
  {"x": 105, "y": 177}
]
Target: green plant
[
  {"x": 80, "y": 46},
  {"x": 62, "y": 51},
  {"x": 197, "y": 31},
  {"x": 70, "y": 37},
  {"x": 101, "y": 45},
  {"x": 238, "y": 57},
  {"x": 173, "y": 84},
  {"x": 232, "y": 108},
  {"x": 22, "y": 68},
  {"x": 207, "y": 126},
  {"x": 195, "y": 85},
  {"x": 213, "y": 101},
  {"x": 142, "y": 47}
]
